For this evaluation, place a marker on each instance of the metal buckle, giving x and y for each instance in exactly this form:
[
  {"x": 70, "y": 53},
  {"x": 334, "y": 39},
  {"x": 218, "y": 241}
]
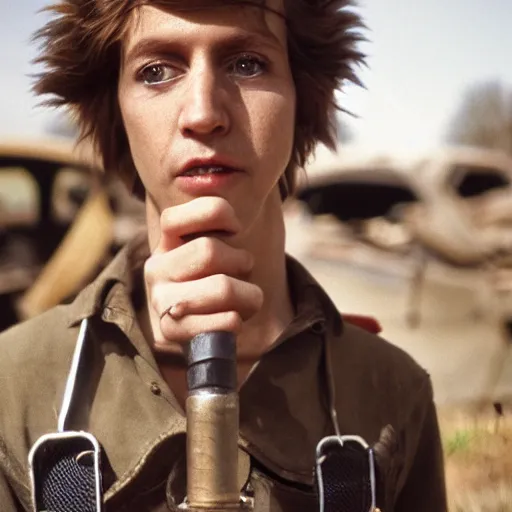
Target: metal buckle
[{"x": 351, "y": 445}]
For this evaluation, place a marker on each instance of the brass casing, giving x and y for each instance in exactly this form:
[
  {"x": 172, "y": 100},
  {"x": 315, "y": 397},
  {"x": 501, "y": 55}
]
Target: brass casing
[{"x": 212, "y": 453}]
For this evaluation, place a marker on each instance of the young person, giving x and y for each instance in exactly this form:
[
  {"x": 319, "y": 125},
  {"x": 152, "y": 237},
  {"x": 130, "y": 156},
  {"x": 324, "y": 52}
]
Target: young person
[{"x": 207, "y": 109}]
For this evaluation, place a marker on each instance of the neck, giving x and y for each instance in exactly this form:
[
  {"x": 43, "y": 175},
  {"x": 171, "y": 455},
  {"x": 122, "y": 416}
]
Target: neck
[{"x": 266, "y": 241}]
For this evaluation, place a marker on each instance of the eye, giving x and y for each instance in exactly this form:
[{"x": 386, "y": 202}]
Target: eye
[
  {"x": 247, "y": 66},
  {"x": 157, "y": 74}
]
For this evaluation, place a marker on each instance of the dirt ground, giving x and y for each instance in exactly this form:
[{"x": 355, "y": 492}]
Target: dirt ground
[{"x": 478, "y": 456}]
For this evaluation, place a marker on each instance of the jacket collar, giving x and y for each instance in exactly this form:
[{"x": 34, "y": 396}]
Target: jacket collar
[
  {"x": 284, "y": 404},
  {"x": 92, "y": 300}
]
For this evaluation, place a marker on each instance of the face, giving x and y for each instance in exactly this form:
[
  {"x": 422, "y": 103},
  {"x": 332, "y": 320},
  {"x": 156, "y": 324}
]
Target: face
[{"x": 208, "y": 103}]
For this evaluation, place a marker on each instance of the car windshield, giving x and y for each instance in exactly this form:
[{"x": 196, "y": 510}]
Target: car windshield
[
  {"x": 471, "y": 180},
  {"x": 19, "y": 197},
  {"x": 359, "y": 195}
]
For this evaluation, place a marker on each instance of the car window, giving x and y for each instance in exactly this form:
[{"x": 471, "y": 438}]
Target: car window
[
  {"x": 19, "y": 197},
  {"x": 471, "y": 181},
  {"x": 357, "y": 200},
  {"x": 70, "y": 190}
]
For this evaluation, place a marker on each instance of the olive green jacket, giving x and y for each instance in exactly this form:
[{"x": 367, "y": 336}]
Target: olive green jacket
[{"x": 320, "y": 369}]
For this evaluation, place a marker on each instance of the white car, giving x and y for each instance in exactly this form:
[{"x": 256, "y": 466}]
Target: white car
[{"x": 424, "y": 244}]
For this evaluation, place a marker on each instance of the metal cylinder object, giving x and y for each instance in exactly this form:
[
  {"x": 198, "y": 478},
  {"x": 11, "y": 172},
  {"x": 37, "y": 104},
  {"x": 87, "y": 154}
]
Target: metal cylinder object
[
  {"x": 212, "y": 451},
  {"x": 212, "y": 426}
]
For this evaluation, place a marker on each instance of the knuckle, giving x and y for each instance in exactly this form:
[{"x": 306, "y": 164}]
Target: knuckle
[
  {"x": 156, "y": 305},
  {"x": 217, "y": 209},
  {"x": 168, "y": 330},
  {"x": 150, "y": 269},
  {"x": 207, "y": 249},
  {"x": 166, "y": 217},
  {"x": 162, "y": 295},
  {"x": 155, "y": 300},
  {"x": 223, "y": 286},
  {"x": 232, "y": 321},
  {"x": 215, "y": 206},
  {"x": 259, "y": 297}
]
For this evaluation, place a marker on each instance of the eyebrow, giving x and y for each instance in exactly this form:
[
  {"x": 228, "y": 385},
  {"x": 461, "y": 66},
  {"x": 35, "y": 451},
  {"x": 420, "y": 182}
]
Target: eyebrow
[{"x": 160, "y": 44}]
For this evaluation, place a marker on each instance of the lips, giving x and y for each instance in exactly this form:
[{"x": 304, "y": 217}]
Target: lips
[
  {"x": 202, "y": 170},
  {"x": 202, "y": 167}
]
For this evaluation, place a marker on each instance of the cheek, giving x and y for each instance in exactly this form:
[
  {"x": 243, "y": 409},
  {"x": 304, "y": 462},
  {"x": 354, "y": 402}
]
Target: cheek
[
  {"x": 145, "y": 123},
  {"x": 273, "y": 128}
]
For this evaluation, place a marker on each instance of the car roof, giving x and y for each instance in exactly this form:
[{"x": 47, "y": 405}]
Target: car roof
[
  {"x": 64, "y": 151},
  {"x": 355, "y": 164},
  {"x": 327, "y": 166}
]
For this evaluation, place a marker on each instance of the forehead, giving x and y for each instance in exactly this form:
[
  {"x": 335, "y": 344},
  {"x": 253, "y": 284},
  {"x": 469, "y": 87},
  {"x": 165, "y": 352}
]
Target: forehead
[{"x": 177, "y": 18}]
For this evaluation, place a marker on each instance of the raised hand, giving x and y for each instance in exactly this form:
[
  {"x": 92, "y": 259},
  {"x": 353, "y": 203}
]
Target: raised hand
[{"x": 195, "y": 280}]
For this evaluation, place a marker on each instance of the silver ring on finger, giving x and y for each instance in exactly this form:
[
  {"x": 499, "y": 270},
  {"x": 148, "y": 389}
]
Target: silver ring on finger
[{"x": 175, "y": 311}]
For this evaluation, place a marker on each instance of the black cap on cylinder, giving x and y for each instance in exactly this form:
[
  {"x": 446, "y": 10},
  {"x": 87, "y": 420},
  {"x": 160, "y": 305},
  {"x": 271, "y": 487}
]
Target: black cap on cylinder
[{"x": 212, "y": 362}]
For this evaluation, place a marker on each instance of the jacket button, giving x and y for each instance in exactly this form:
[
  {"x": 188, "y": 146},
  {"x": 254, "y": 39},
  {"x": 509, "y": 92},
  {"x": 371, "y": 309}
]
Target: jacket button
[
  {"x": 155, "y": 389},
  {"x": 318, "y": 327}
]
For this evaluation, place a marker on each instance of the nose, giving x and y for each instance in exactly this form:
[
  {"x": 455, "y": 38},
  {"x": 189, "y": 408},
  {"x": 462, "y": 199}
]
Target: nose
[{"x": 204, "y": 109}]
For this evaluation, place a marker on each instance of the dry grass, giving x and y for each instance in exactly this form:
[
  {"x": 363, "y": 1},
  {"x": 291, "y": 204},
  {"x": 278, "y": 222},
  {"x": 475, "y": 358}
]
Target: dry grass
[{"x": 478, "y": 453}]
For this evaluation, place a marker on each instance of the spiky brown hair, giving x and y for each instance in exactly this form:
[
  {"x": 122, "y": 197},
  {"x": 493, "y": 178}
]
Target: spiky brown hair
[{"x": 80, "y": 49}]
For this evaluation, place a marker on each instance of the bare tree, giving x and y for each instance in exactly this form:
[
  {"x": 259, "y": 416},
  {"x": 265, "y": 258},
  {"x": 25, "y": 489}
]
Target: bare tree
[{"x": 484, "y": 118}]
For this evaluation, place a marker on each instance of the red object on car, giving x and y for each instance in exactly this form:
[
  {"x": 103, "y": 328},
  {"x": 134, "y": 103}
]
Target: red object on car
[{"x": 367, "y": 323}]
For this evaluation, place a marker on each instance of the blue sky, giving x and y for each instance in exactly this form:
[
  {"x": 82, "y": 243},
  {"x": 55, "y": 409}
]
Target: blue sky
[{"x": 423, "y": 54}]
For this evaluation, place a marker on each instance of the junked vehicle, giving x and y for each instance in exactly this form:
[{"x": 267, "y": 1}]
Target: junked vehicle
[
  {"x": 60, "y": 222},
  {"x": 423, "y": 242}
]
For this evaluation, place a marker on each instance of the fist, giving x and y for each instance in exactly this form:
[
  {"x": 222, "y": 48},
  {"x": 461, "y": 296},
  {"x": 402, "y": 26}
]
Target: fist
[{"x": 195, "y": 280}]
